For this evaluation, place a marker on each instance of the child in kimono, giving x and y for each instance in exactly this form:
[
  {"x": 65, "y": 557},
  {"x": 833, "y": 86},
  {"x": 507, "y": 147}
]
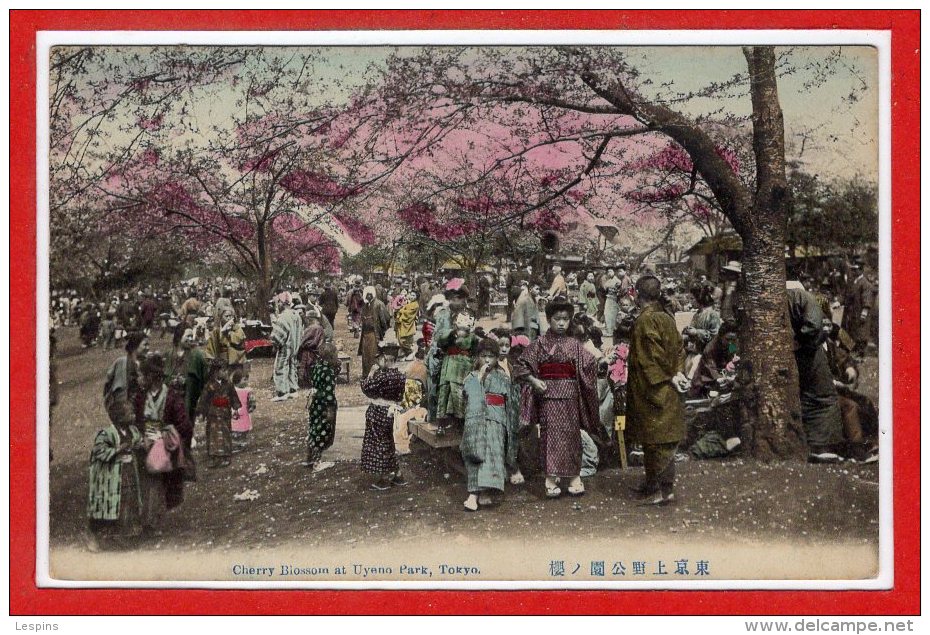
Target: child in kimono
[
  {"x": 617, "y": 376},
  {"x": 218, "y": 403},
  {"x": 505, "y": 361},
  {"x": 417, "y": 379},
  {"x": 114, "y": 500},
  {"x": 241, "y": 424},
  {"x": 385, "y": 387},
  {"x": 490, "y": 413},
  {"x": 563, "y": 399}
]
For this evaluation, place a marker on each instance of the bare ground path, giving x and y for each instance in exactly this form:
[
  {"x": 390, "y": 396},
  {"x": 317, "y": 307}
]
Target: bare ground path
[{"x": 724, "y": 504}]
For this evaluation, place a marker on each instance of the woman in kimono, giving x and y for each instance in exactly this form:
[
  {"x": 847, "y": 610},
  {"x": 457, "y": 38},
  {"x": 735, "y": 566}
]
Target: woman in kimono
[
  {"x": 385, "y": 387},
  {"x": 405, "y": 323},
  {"x": 308, "y": 352},
  {"x": 490, "y": 413},
  {"x": 322, "y": 406},
  {"x": 226, "y": 343},
  {"x": 706, "y": 322},
  {"x": 437, "y": 318},
  {"x": 587, "y": 296},
  {"x": 459, "y": 346},
  {"x": 114, "y": 498},
  {"x": 563, "y": 400},
  {"x": 160, "y": 414},
  {"x": 286, "y": 331},
  {"x": 218, "y": 403}
]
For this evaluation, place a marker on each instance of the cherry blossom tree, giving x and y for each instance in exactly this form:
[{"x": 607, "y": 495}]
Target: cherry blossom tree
[{"x": 573, "y": 127}]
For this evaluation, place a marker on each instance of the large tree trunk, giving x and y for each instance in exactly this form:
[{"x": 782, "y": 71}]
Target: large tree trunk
[
  {"x": 771, "y": 411},
  {"x": 771, "y": 401},
  {"x": 263, "y": 282}
]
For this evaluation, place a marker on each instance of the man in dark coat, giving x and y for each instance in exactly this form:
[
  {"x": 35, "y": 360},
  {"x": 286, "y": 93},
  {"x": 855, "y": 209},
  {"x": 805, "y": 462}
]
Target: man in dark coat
[
  {"x": 375, "y": 321},
  {"x": 655, "y": 417},
  {"x": 857, "y": 306},
  {"x": 820, "y": 413},
  {"x": 329, "y": 302}
]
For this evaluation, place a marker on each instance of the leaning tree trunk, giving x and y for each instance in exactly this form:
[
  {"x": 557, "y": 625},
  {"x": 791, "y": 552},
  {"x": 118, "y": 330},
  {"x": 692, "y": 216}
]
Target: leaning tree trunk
[
  {"x": 771, "y": 411},
  {"x": 771, "y": 402}
]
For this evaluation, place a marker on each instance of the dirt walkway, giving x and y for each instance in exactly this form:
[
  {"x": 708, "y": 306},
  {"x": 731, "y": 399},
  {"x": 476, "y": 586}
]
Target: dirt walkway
[{"x": 733, "y": 503}]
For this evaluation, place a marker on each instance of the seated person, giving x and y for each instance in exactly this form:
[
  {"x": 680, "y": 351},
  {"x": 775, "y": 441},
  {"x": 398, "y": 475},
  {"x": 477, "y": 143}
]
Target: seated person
[
  {"x": 716, "y": 368},
  {"x": 858, "y": 413}
]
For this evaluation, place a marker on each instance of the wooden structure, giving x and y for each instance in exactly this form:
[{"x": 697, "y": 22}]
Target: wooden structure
[{"x": 427, "y": 432}]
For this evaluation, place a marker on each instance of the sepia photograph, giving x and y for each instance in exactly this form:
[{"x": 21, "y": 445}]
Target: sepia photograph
[{"x": 577, "y": 310}]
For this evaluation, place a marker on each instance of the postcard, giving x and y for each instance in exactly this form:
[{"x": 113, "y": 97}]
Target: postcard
[{"x": 485, "y": 309}]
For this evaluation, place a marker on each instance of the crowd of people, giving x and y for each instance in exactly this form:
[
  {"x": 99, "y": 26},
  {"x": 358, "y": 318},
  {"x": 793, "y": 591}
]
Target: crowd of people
[{"x": 586, "y": 371}]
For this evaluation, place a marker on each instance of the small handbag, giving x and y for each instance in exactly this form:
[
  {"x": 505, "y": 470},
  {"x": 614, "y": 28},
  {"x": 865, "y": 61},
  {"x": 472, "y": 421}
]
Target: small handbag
[{"x": 158, "y": 459}]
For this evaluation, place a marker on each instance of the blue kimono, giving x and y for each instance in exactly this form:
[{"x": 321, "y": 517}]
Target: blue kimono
[{"x": 491, "y": 413}]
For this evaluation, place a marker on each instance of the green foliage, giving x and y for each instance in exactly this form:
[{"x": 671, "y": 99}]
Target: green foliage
[{"x": 831, "y": 217}]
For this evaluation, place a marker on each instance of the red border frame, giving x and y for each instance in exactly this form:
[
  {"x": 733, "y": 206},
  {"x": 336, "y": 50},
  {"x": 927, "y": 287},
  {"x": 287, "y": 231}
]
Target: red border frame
[{"x": 26, "y": 598}]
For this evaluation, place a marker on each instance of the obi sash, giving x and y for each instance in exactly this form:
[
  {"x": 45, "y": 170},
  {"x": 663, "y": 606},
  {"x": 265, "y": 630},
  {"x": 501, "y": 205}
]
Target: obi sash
[
  {"x": 494, "y": 399},
  {"x": 455, "y": 350},
  {"x": 557, "y": 370},
  {"x": 221, "y": 402}
]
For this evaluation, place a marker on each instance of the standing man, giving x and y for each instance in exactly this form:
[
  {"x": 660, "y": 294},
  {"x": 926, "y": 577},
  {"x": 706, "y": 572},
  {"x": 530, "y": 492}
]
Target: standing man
[
  {"x": 525, "y": 319},
  {"x": 559, "y": 286},
  {"x": 655, "y": 417},
  {"x": 354, "y": 304},
  {"x": 611, "y": 287},
  {"x": 729, "y": 277},
  {"x": 820, "y": 411},
  {"x": 329, "y": 302},
  {"x": 625, "y": 283},
  {"x": 375, "y": 321},
  {"x": 857, "y": 306},
  {"x": 285, "y": 335},
  {"x": 223, "y": 301}
]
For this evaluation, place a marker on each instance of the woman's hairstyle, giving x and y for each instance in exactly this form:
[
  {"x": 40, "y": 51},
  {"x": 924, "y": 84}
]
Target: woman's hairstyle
[
  {"x": 134, "y": 340},
  {"x": 329, "y": 355},
  {"x": 488, "y": 345},
  {"x": 502, "y": 332},
  {"x": 728, "y": 326},
  {"x": 153, "y": 366},
  {"x": 558, "y": 305}
]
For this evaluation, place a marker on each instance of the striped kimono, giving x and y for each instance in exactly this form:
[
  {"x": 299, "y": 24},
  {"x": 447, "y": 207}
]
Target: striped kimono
[
  {"x": 286, "y": 334},
  {"x": 114, "y": 495}
]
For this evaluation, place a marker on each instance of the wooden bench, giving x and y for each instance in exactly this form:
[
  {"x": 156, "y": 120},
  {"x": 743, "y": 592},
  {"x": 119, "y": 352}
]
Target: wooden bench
[{"x": 426, "y": 432}]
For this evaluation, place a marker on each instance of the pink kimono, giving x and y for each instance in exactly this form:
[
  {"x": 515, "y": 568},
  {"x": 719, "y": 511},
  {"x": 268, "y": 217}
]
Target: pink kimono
[{"x": 244, "y": 422}]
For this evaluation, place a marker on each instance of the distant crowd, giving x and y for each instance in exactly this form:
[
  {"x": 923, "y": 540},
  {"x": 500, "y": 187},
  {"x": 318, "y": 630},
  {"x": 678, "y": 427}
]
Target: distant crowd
[{"x": 550, "y": 373}]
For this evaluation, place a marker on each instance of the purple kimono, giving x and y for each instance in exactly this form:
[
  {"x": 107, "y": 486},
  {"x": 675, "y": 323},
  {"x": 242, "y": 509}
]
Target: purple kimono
[{"x": 569, "y": 404}]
